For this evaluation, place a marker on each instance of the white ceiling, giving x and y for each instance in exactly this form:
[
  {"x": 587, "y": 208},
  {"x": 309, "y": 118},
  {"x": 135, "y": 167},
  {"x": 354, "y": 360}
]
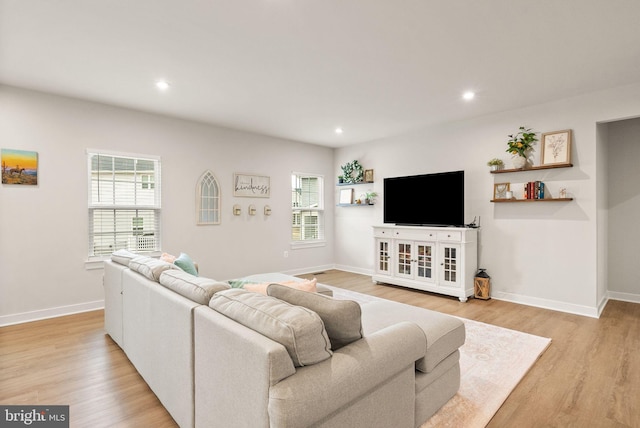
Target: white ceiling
[{"x": 298, "y": 69}]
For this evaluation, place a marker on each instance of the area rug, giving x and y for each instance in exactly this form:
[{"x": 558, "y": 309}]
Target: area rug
[{"x": 493, "y": 361}]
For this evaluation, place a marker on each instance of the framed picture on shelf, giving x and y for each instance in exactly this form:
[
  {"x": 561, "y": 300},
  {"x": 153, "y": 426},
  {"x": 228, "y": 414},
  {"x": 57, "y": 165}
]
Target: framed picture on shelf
[
  {"x": 500, "y": 190},
  {"x": 556, "y": 148},
  {"x": 368, "y": 176},
  {"x": 346, "y": 196}
]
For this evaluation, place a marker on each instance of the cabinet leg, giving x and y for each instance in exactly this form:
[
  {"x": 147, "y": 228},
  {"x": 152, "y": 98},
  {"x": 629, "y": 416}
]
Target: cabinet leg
[{"x": 463, "y": 299}]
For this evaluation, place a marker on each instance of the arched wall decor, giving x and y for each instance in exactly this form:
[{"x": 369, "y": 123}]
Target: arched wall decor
[{"x": 208, "y": 200}]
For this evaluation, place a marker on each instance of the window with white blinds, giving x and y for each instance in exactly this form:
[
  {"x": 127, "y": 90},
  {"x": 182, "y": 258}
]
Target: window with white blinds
[
  {"x": 307, "y": 205},
  {"x": 124, "y": 203}
]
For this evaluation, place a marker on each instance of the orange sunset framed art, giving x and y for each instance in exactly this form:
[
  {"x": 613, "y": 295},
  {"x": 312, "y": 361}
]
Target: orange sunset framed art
[{"x": 19, "y": 167}]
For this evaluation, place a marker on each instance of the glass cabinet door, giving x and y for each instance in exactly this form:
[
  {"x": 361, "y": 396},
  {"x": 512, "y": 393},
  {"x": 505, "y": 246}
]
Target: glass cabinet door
[
  {"x": 403, "y": 259},
  {"x": 424, "y": 261},
  {"x": 449, "y": 264},
  {"x": 383, "y": 255}
]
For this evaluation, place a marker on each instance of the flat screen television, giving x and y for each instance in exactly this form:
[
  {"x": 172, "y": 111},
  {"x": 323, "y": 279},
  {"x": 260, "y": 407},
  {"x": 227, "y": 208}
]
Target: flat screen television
[{"x": 425, "y": 200}]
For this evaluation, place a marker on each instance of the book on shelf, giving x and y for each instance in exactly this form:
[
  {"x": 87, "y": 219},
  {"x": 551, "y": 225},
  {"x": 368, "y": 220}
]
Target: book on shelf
[{"x": 534, "y": 190}]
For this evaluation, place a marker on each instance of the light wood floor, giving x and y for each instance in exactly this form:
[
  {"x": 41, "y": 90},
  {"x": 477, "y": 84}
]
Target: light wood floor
[{"x": 589, "y": 376}]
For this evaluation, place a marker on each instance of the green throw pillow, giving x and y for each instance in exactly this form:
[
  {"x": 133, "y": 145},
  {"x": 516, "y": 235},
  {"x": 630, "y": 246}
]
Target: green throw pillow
[
  {"x": 185, "y": 263},
  {"x": 239, "y": 283}
]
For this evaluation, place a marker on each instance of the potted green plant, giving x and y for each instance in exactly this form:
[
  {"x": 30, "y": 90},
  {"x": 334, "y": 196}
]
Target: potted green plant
[
  {"x": 340, "y": 179},
  {"x": 520, "y": 144},
  {"x": 369, "y": 196},
  {"x": 495, "y": 164}
]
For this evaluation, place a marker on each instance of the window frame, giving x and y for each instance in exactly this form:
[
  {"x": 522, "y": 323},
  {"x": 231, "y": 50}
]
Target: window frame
[
  {"x": 146, "y": 182},
  {"x": 298, "y": 211}
]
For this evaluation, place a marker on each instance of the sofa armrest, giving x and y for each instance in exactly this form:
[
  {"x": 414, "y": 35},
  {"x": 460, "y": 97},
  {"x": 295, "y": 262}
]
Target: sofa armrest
[
  {"x": 316, "y": 392},
  {"x": 234, "y": 369}
]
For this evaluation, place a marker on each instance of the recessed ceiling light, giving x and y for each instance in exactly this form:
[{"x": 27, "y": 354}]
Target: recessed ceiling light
[
  {"x": 162, "y": 85},
  {"x": 339, "y": 130},
  {"x": 468, "y": 96}
]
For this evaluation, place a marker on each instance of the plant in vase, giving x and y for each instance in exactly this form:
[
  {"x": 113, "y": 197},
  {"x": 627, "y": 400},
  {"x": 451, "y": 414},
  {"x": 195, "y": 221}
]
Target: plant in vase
[
  {"x": 369, "y": 197},
  {"x": 520, "y": 144},
  {"x": 495, "y": 164}
]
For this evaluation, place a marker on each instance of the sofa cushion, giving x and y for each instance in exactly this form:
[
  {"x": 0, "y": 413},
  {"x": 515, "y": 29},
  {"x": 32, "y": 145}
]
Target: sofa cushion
[
  {"x": 308, "y": 285},
  {"x": 149, "y": 267},
  {"x": 444, "y": 333},
  {"x": 184, "y": 262},
  {"x": 341, "y": 317},
  {"x": 123, "y": 257},
  {"x": 298, "y": 329},
  {"x": 195, "y": 288}
]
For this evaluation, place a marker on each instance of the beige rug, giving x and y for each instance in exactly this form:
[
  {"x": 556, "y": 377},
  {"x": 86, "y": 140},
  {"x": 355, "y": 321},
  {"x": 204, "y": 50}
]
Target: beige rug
[{"x": 493, "y": 361}]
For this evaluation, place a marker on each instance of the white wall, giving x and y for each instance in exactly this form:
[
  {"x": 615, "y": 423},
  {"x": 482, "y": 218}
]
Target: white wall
[
  {"x": 624, "y": 209},
  {"x": 540, "y": 254},
  {"x": 549, "y": 255},
  {"x": 43, "y": 228}
]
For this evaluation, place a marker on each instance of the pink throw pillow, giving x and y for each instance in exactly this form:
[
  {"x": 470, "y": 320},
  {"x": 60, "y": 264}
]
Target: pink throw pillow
[{"x": 166, "y": 257}]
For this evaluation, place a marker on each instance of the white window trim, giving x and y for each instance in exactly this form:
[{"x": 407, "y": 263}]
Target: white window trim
[
  {"x": 302, "y": 244},
  {"x": 96, "y": 262}
]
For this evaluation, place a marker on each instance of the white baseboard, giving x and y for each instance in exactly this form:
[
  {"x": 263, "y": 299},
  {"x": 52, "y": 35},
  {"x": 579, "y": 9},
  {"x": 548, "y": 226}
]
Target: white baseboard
[
  {"x": 24, "y": 317},
  {"x": 602, "y": 304},
  {"x": 625, "y": 297},
  {"x": 318, "y": 269},
  {"x": 554, "y": 305},
  {"x": 354, "y": 270},
  {"x": 310, "y": 270}
]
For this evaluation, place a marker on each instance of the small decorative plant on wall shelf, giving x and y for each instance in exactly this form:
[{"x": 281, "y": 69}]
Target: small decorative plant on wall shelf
[
  {"x": 369, "y": 197},
  {"x": 520, "y": 145},
  {"x": 352, "y": 172},
  {"x": 495, "y": 164}
]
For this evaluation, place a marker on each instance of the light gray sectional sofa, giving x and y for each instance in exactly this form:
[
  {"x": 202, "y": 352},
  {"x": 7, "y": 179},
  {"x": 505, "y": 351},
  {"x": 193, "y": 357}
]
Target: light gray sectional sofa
[{"x": 224, "y": 357}]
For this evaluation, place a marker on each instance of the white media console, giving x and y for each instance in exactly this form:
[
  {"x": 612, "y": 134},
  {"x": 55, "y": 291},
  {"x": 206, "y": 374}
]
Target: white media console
[{"x": 438, "y": 259}]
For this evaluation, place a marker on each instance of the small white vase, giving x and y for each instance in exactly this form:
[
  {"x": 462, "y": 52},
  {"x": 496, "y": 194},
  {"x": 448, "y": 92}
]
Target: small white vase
[{"x": 519, "y": 162}]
